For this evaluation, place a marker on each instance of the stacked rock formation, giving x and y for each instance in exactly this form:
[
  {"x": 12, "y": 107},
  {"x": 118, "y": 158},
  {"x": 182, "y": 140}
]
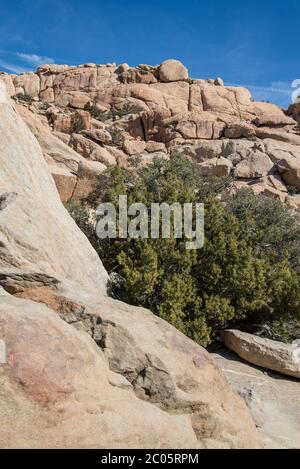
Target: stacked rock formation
[{"x": 90, "y": 116}]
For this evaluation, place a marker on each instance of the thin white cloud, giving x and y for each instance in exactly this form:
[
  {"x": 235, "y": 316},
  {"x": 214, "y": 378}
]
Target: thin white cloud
[
  {"x": 34, "y": 59},
  {"x": 275, "y": 87},
  {"x": 278, "y": 91},
  {"x": 12, "y": 67}
]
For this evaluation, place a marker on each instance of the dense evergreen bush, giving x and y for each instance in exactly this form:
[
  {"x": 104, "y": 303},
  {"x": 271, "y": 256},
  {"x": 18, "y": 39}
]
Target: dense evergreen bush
[{"x": 245, "y": 276}]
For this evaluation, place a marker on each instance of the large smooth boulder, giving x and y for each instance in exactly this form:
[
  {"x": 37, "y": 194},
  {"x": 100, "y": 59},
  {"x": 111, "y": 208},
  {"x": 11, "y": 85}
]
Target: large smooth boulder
[
  {"x": 235, "y": 101},
  {"x": 160, "y": 364},
  {"x": 27, "y": 83},
  {"x": 173, "y": 70},
  {"x": 266, "y": 353},
  {"x": 289, "y": 168},
  {"x": 57, "y": 390},
  {"x": 36, "y": 232},
  {"x": 271, "y": 398},
  {"x": 270, "y": 114},
  {"x": 219, "y": 167},
  {"x": 254, "y": 164}
]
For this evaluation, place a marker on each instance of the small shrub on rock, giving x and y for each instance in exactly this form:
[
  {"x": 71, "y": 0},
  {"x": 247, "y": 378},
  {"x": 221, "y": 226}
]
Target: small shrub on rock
[
  {"x": 26, "y": 98},
  {"x": 76, "y": 125},
  {"x": 113, "y": 114}
]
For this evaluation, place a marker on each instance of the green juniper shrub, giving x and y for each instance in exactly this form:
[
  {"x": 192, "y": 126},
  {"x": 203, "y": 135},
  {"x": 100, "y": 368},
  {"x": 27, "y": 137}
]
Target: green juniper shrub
[
  {"x": 116, "y": 136},
  {"x": 43, "y": 106},
  {"x": 292, "y": 190},
  {"x": 245, "y": 276},
  {"x": 96, "y": 113},
  {"x": 112, "y": 114},
  {"x": 26, "y": 98},
  {"x": 76, "y": 124}
]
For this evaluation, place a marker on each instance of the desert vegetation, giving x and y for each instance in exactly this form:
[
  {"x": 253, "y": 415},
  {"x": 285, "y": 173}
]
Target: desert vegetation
[{"x": 245, "y": 276}]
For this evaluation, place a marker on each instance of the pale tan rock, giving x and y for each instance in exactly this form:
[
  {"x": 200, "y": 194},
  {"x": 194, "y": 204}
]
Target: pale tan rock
[
  {"x": 96, "y": 124},
  {"x": 133, "y": 75},
  {"x": 120, "y": 157},
  {"x": 276, "y": 181},
  {"x": 76, "y": 79},
  {"x": 54, "y": 149},
  {"x": 152, "y": 146},
  {"x": 65, "y": 182},
  {"x": 80, "y": 101},
  {"x": 65, "y": 138},
  {"x": 266, "y": 353},
  {"x": 189, "y": 402},
  {"x": 88, "y": 171},
  {"x": 289, "y": 168},
  {"x": 85, "y": 118},
  {"x": 270, "y": 114},
  {"x": 90, "y": 65},
  {"x": 239, "y": 130},
  {"x": 9, "y": 84},
  {"x": 162, "y": 366},
  {"x": 36, "y": 232},
  {"x": 175, "y": 96},
  {"x": 28, "y": 83},
  {"x": 191, "y": 126},
  {"x": 172, "y": 70},
  {"x": 91, "y": 150},
  {"x": 278, "y": 150},
  {"x": 209, "y": 129},
  {"x": 152, "y": 97},
  {"x": 134, "y": 147},
  {"x": 47, "y": 95},
  {"x": 62, "y": 123},
  {"x": 254, "y": 165},
  {"x": 271, "y": 186},
  {"x": 219, "y": 82},
  {"x": 58, "y": 388},
  {"x": 99, "y": 135},
  {"x": 228, "y": 100},
  {"x": 278, "y": 134},
  {"x": 122, "y": 68},
  {"x": 202, "y": 150},
  {"x": 148, "y": 158},
  {"x": 195, "y": 98},
  {"x": 240, "y": 147},
  {"x": 52, "y": 68},
  {"x": 271, "y": 399},
  {"x": 263, "y": 186},
  {"x": 216, "y": 167}
]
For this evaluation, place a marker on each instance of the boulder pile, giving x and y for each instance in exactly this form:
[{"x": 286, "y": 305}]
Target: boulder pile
[{"x": 108, "y": 113}]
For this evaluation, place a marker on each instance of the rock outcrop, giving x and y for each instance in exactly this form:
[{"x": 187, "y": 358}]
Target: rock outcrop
[
  {"x": 57, "y": 390},
  {"x": 266, "y": 353},
  {"x": 124, "y": 378},
  {"x": 272, "y": 399},
  {"x": 37, "y": 236},
  {"x": 108, "y": 113}
]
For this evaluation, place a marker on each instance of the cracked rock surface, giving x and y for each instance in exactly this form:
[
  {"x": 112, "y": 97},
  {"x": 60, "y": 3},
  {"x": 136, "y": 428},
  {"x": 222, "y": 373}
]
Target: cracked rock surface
[{"x": 84, "y": 370}]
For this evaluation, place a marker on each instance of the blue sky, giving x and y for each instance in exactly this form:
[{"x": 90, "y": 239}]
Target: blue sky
[{"x": 250, "y": 43}]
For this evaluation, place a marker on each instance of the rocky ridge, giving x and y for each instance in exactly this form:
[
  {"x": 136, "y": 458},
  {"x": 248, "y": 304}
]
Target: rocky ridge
[{"x": 90, "y": 116}]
